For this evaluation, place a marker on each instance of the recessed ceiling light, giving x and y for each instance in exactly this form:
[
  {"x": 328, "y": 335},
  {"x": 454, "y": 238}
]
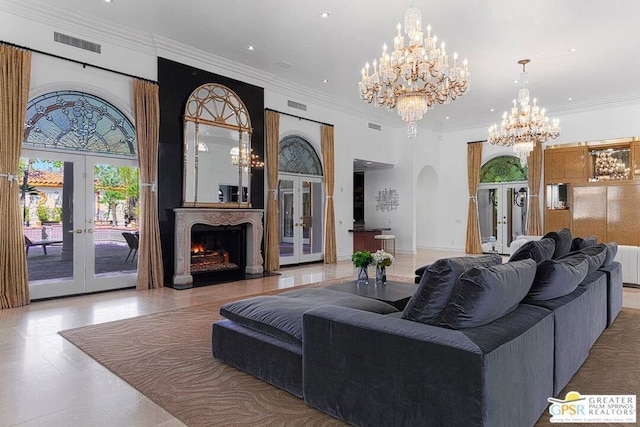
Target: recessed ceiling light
[
  {"x": 573, "y": 49},
  {"x": 447, "y": 117},
  {"x": 570, "y": 99},
  {"x": 516, "y": 81},
  {"x": 492, "y": 110},
  {"x": 324, "y": 14},
  {"x": 251, "y": 47},
  {"x": 369, "y": 163},
  {"x": 325, "y": 81},
  {"x": 108, "y": 1}
]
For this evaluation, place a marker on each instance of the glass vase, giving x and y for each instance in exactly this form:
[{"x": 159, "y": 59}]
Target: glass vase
[
  {"x": 363, "y": 276},
  {"x": 381, "y": 275}
]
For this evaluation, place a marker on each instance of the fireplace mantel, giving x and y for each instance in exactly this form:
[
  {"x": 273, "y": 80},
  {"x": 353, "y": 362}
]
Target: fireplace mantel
[{"x": 187, "y": 217}]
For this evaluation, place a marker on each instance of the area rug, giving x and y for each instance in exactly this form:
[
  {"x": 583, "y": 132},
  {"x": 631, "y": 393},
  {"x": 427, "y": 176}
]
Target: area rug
[{"x": 167, "y": 357}]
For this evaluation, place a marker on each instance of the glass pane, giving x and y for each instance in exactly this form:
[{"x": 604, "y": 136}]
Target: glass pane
[
  {"x": 312, "y": 215},
  {"x": 46, "y": 197},
  {"x": 286, "y": 198},
  {"x": 115, "y": 219},
  {"x": 488, "y": 214}
]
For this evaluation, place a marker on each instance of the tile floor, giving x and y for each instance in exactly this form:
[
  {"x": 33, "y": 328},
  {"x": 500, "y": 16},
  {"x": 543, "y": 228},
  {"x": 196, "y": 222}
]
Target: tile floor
[{"x": 46, "y": 381}]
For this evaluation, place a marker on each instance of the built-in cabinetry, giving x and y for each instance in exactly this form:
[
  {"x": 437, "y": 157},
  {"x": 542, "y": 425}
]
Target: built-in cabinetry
[{"x": 594, "y": 189}]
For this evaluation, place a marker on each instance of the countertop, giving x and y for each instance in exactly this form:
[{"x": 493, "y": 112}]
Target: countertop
[{"x": 368, "y": 229}]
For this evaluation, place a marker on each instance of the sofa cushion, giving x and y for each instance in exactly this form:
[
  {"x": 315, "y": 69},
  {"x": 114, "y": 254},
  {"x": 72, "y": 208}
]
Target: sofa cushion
[
  {"x": 556, "y": 278},
  {"x": 595, "y": 254},
  {"x": 280, "y": 316},
  {"x": 579, "y": 243},
  {"x": 484, "y": 294},
  {"x": 436, "y": 285},
  {"x": 537, "y": 250},
  {"x": 563, "y": 241},
  {"x": 612, "y": 250}
]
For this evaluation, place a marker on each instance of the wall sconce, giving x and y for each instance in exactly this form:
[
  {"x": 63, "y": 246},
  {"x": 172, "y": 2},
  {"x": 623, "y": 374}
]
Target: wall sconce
[
  {"x": 520, "y": 197},
  {"x": 387, "y": 200}
]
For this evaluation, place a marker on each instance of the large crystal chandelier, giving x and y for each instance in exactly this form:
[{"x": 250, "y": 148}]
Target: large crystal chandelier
[
  {"x": 526, "y": 126},
  {"x": 415, "y": 76}
]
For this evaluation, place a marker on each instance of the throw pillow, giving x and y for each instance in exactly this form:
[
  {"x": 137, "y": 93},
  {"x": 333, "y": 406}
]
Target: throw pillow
[
  {"x": 595, "y": 256},
  {"x": 612, "y": 250},
  {"x": 484, "y": 294},
  {"x": 563, "y": 242},
  {"x": 537, "y": 250},
  {"x": 579, "y": 243},
  {"x": 436, "y": 285},
  {"x": 556, "y": 278}
]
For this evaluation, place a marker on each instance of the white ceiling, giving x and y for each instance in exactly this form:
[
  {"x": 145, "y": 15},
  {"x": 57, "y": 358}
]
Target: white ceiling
[{"x": 492, "y": 34}]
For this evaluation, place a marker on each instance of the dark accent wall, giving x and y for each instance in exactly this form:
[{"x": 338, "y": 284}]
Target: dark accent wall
[{"x": 176, "y": 82}]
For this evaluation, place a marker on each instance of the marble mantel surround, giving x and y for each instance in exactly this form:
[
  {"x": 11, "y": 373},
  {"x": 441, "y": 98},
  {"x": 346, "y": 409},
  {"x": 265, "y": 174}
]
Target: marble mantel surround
[{"x": 187, "y": 217}]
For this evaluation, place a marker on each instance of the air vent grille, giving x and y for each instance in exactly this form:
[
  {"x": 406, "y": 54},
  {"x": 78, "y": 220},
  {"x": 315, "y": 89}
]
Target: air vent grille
[
  {"x": 76, "y": 42},
  {"x": 374, "y": 126},
  {"x": 297, "y": 105}
]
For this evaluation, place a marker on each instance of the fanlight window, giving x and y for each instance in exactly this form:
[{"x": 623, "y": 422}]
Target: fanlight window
[
  {"x": 78, "y": 121},
  {"x": 503, "y": 169},
  {"x": 298, "y": 156}
]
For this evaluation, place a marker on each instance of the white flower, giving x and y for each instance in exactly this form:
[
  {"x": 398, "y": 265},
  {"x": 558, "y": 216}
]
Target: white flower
[{"x": 382, "y": 258}]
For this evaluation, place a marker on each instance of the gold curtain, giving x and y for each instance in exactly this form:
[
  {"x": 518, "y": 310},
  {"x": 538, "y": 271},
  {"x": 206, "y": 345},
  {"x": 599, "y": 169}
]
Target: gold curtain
[
  {"x": 474, "y": 160},
  {"x": 330, "y": 255},
  {"x": 15, "y": 74},
  {"x": 271, "y": 245},
  {"x": 534, "y": 227},
  {"x": 147, "y": 112}
]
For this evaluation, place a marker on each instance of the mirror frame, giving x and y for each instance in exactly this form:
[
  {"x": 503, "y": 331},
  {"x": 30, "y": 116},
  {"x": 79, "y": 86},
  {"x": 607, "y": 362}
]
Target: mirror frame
[{"x": 216, "y": 105}]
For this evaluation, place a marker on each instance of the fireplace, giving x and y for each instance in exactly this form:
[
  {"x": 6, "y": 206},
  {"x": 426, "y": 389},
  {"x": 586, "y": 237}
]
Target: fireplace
[{"x": 216, "y": 245}]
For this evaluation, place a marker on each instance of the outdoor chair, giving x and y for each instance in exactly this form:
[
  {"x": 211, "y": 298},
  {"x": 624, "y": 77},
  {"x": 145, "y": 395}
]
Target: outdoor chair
[
  {"x": 132, "y": 241},
  {"x": 44, "y": 243}
]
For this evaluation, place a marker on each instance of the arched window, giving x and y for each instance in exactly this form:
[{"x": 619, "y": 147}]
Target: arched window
[
  {"x": 503, "y": 169},
  {"x": 298, "y": 156},
  {"x": 80, "y": 122}
]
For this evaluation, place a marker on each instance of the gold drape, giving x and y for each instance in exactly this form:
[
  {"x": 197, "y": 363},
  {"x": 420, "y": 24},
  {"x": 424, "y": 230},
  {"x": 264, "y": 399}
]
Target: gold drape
[
  {"x": 474, "y": 160},
  {"x": 147, "y": 111},
  {"x": 15, "y": 74},
  {"x": 534, "y": 226},
  {"x": 330, "y": 255},
  {"x": 271, "y": 245}
]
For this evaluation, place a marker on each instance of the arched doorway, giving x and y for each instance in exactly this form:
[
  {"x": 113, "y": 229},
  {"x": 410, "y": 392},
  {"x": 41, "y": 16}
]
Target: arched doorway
[
  {"x": 301, "y": 200},
  {"x": 80, "y": 189},
  {"x": 502, "y": 203}
]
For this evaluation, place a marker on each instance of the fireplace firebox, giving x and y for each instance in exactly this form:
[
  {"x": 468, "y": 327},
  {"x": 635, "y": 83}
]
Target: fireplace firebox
[{"x": 217, "y": 253}]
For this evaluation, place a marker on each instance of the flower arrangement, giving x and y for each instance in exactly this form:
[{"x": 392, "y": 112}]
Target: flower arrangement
[
  {"x": 362, "y": 259},
  {"x": 382, "y": 258}
]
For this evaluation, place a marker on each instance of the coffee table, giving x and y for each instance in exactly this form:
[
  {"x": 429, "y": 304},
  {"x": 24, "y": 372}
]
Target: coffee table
[{"x": 395, "y": 293}]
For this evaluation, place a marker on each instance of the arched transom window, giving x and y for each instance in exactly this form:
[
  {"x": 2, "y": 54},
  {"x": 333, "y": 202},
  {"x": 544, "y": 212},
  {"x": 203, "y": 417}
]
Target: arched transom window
[
  {"x": 503, "y": 169},
  {"x": 298, "y": 156},
  {"x": 77, "y": 121}
]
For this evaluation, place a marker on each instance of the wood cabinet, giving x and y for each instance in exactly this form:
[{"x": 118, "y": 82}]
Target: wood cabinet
[
  {"x": 565, "y": 164},
  {"x": 365, "y": 241}
]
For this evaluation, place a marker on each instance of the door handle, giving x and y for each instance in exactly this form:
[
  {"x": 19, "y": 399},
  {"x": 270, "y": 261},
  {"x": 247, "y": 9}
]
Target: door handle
[
  {"x": 90, "y": 231},
  {"x": 78, "y": 231}
]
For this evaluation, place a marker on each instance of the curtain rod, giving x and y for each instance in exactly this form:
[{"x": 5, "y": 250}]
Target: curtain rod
[
  {"x": 475, "y": 142},
  {"x": 84, "y": 64},
  {"x": 298, "y": 117}
]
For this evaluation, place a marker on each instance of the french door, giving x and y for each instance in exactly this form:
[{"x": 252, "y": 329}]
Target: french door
[
  {"x": 301, "y": 203},
  {"x": 77, "y": 210},
  {"x": 502, "y": 213}
]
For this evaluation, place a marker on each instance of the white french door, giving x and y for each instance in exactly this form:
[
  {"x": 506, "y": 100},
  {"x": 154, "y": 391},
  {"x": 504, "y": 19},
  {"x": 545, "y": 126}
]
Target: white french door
[
  {"x": 301, "y": 204},
  {"x": 502, "y": 213},
  {"x": 76, "y": 209}
]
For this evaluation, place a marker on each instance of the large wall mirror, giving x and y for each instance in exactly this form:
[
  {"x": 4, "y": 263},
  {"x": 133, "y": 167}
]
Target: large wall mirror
[{"x": 217, "y": 149}]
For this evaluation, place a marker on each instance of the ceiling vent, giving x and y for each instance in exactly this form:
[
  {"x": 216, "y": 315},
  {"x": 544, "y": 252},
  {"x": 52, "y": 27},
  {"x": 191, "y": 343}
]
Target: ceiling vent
[
  {"x": 297, "y": 105},
  {"x": 374, "y": 126},
  {"x": 76, "y": 42}
]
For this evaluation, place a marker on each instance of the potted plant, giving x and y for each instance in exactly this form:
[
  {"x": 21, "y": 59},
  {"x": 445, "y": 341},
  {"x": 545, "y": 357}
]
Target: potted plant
[
  {"x": 362, "y": 260},
  {"x": 382, "y": 260}
]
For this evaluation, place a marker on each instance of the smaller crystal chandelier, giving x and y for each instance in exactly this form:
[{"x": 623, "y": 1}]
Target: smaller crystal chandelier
[
  {"x": 414, "y": 76},
  {"x": 526, "y": 126},
  {"x": 245, "y": 157}
]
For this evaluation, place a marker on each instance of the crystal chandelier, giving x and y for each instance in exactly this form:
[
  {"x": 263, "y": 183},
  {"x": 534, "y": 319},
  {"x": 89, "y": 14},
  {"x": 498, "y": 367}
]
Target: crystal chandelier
[
  {"x": 526, "y": 126},
  {"x": 415, "y": 76},
  {"x": 244, "y": 156}
]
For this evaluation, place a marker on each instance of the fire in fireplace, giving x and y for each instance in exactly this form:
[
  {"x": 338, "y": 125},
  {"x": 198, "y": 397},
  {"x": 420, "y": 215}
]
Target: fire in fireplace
[{"x": 218, "y": 251}]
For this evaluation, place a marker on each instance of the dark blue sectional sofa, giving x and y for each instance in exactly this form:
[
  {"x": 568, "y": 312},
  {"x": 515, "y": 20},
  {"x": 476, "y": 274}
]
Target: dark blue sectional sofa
[{"x": 481, "y": 342}]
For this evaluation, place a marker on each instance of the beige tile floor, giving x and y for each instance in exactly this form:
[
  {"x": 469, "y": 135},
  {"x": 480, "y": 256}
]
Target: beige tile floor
[{"x": 46, "y": 381}]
